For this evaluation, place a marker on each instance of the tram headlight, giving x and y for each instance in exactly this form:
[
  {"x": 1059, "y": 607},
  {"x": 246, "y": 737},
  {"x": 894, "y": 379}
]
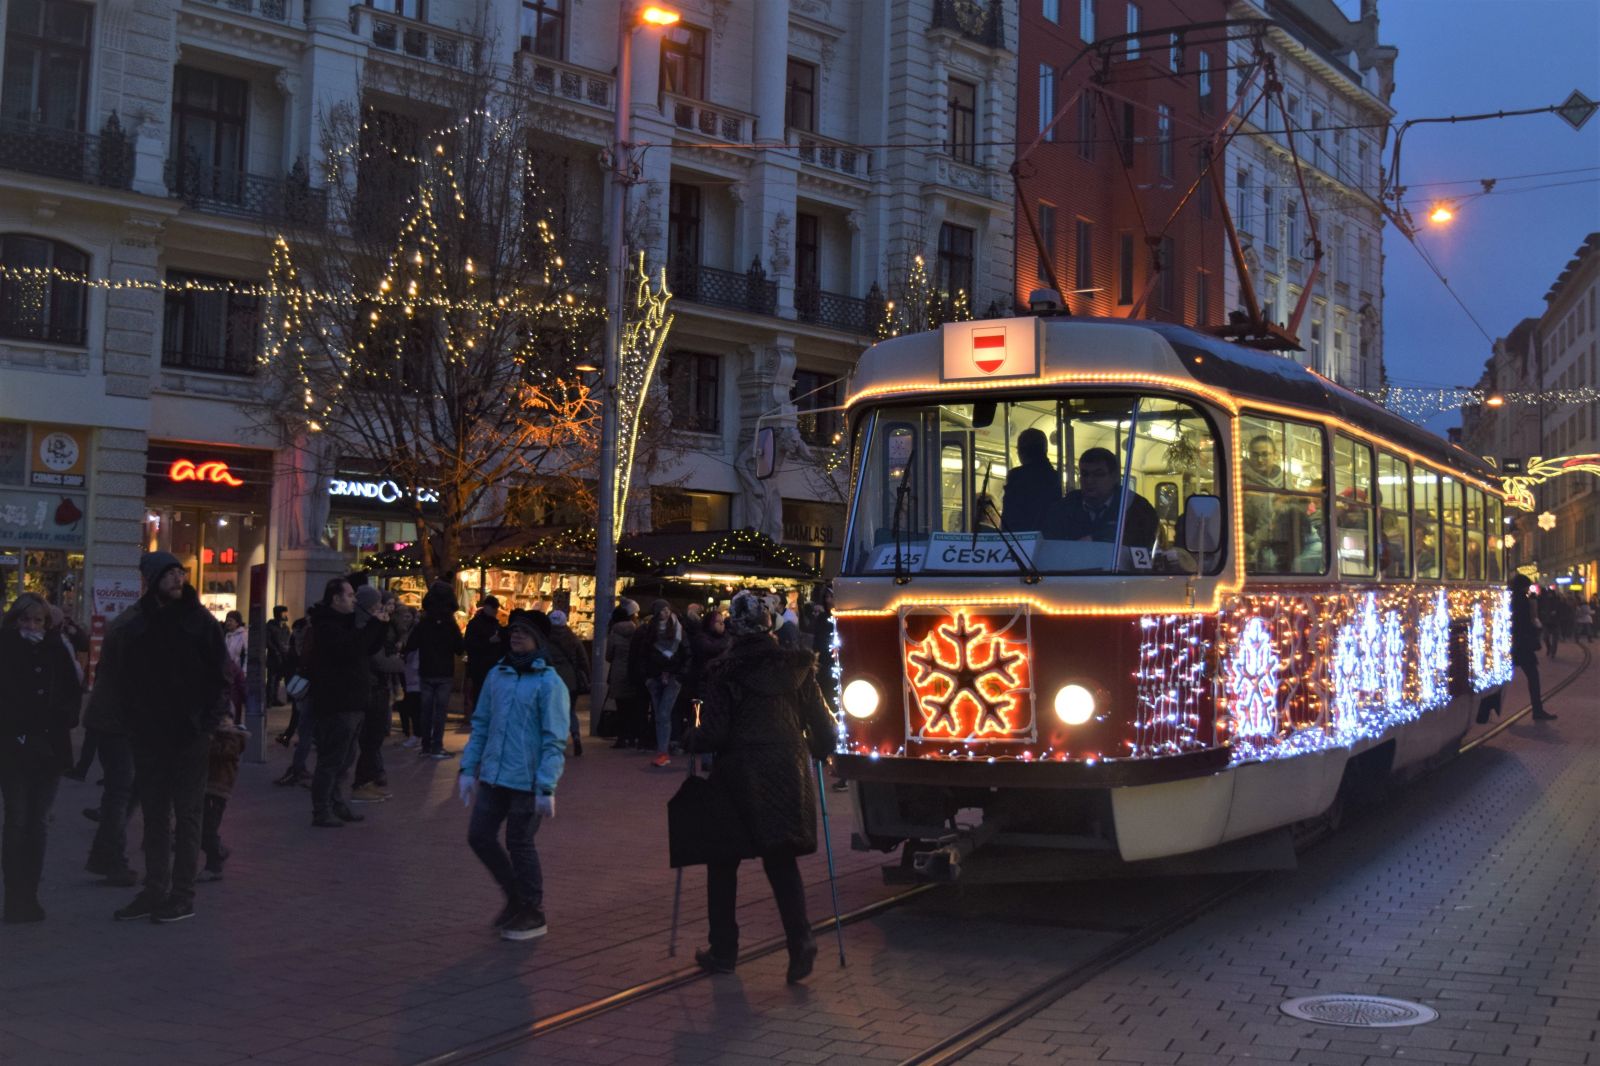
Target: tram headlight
[
  {"x": 1074, "y": 704},
  {"x": 861, "y": 698}
]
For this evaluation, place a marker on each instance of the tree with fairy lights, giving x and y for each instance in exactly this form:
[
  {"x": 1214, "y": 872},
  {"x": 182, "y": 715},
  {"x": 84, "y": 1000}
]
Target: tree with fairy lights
[
  {"x": 432, "y": 330},
  {"x": 916, "y": 302}
]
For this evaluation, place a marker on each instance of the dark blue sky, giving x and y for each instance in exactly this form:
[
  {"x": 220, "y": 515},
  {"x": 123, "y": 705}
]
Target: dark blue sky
[{"x": 1504, "y": 250}]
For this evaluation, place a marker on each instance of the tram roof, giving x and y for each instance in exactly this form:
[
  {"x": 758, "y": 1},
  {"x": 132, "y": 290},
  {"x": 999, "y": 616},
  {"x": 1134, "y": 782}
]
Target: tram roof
[{"x": 1145, "y": 347}]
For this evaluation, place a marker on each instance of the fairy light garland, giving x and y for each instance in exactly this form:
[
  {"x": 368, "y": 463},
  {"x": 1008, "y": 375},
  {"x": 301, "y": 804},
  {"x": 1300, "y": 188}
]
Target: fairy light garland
[
  {"x": 583, "y": 541},
  {"x": 1419, "y": 403},
  {"x": 643, "y": 337}
]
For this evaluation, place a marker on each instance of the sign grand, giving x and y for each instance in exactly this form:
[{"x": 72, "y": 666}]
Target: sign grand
[{"x": 384, "y": 491}]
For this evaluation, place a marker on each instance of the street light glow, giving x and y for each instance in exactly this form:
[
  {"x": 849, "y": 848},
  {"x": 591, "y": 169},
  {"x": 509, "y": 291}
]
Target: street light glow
[
  {"x": 660, "y": 16},
  {"x": 1496, "y": 401},
  {"x": 1441, "y": 214}
]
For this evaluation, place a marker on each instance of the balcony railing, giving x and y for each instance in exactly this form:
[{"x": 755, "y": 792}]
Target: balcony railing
[
  {"x": 981, "y": 22},
  {"x": 831, "y": 309},
  {"x": 837, "y": 156},
  {"x": 717, "y": 123},
  {"x": 221, "y": 360},
  {"x": 219, "y": 191},
  {"x": 105, "y": 160},
  {"x": 750, "y": 291},
  {"x": 569, "y": 82},
  {"x": 389, "y": 32},
  {"x": 276, "y": 10}
]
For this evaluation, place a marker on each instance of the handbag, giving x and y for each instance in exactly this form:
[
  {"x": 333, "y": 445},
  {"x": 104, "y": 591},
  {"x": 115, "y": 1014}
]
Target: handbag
[
  {"x": 704, "y": 825},
  {"x": 297, "y": 687}
]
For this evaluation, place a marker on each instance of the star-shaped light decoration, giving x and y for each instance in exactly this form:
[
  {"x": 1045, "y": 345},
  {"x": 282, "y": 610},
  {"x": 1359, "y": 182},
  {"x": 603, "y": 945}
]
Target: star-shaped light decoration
[
  {"x": 962, "y": 666},
  {"x": 1547, "y": 521}
]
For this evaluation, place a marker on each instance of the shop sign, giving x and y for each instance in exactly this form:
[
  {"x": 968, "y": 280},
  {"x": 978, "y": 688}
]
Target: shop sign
[
  {"x": 212, "y": 472},
  {"x": 43, "y": 519},
  {"x": 59, "y": 456},
  {"x": 381, "y": 491},
  {"x": 814, "y": 525},
  {"x": 112, "y": 597},
  {"x": 13, "y": 452}
]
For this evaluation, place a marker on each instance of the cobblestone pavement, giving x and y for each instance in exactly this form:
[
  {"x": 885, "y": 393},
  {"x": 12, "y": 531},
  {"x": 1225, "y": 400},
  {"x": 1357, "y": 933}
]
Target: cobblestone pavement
[{"x": 1473, "y": 891}]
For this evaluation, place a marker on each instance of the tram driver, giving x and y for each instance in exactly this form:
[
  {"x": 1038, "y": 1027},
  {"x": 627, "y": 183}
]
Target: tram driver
[
  {"x": 1091, "y": 512},
  {"x": 1033, "y": 486}
]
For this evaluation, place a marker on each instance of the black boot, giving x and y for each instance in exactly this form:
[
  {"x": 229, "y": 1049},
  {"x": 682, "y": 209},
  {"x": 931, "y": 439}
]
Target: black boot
[
  {"x": 802, "y": 957},
  {"x": 712, "y": 963}
]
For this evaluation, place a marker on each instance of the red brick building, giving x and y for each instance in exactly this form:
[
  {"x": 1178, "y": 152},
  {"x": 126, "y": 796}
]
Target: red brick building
[{"x": 1165, "y": 93}]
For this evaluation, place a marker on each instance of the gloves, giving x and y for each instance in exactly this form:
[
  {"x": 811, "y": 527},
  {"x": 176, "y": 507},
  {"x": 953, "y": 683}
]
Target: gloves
[
  {"x": 544, "y": 806},
  {"x": 466, "y": 784}
]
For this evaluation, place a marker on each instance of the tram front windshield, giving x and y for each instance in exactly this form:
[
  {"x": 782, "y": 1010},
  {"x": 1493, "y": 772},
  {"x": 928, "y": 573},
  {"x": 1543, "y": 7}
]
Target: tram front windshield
[{"x": 1066, "y": 484}]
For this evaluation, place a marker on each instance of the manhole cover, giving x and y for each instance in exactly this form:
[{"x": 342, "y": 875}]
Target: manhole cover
[{"x": 1359, "y": 1012}]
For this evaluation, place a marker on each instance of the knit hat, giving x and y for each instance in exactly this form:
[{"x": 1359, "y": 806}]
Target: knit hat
[
  {"x": 749, "y": 615},
  {"x": 659, "y": 605},
  {"x": 368, "y": 597},
  {"x": 523, "y": 620},
  {"x": 489, "y": 601},
  {"x": 153, "y": 564},
  {"x": 558, "y": 617},
  {"x": 629, "y": 607}
]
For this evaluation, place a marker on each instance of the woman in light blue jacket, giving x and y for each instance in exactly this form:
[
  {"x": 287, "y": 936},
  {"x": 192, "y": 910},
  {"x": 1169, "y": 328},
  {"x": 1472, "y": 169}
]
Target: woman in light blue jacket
[{"x": 512, "y": 764}]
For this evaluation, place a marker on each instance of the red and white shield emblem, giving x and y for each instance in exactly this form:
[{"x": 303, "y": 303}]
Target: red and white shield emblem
[{"x": 989, "y": 348}]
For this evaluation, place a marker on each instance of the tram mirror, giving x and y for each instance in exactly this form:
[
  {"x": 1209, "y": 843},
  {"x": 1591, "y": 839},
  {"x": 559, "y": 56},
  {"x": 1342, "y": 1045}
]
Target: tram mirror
[
  {"x": 983, "y": 414},
  {"x": 766, "y": 452},
  {"x": 1201, "y": 530}
]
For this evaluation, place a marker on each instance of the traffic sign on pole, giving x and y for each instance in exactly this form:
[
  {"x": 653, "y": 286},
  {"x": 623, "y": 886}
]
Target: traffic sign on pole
[{"x": 1577, "y": 109}]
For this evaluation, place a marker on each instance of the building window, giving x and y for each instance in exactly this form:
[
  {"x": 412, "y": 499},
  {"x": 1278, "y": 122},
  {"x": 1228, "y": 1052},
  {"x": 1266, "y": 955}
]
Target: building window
[
  {"x": 1168, "y": 284},
  {"x": 47, "y": 63},
  {"x": 683, "y": 227},
  {"x": 955, "y": 259},
  {"x": 1047, "y": 239},
  {"x": 41, "y": 307},
  {"x": 1202, "y": 299},
  {"x": 1203, "y": 79},
  {"x": 800, "y": 103},
  {"x": 1129, "y": 134},
  {"x": 683, "y": 61},
  {"x": 1088, "y": 107},
  {"x": 815, "y": 389},
  {"x": 1269, "y": 217},
  {"x": 1047, "y": 100},
  {"x": 1133, "y": 27},
  {"x": 963, "y": 121},
  {"x": 1164, "y": 139},
  {"x": 1241, "y": 206},
  {"x": 1086, "y": 20},
  {"x": 1291, "y": 218},
  {"x": 542, "y": 25},
  {"x": 1083, "y": 255},
  {"x": 208, "y": 328},
  {"x": 694, "y": 391},
  {"x": 1051, "y": 9},
  {"x": 208, "y": 137},
  {"x": 1174, "y": 52},
  {"x": 1125, "y": 268},
  {"x": 1316, "y": 344},
  {"x": 807, "y": 262}
]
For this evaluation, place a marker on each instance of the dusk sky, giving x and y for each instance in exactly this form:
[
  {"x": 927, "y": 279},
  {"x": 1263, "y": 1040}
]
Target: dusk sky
[{"x": 1504, "y": 250}]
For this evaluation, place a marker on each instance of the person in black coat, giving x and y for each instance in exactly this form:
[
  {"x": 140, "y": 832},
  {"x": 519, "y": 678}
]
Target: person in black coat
[
  {"x": 438, "y": 643},
  {"x": 764, "y": 719},
  {"x": 1525, "y": 643},
  {"x": 340, "y": 679},
  {"x": 1032, "y": 486},
  {"x": 660, "y": 659},
  {"x": 486, "y": 644},
  {"x": 1092, "y": 512},
  {"x": 39, "y": 696}
]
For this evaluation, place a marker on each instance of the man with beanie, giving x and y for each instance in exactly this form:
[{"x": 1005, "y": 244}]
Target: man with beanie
[
  {"x": 166, "y": 678},
  {"x": 509, "y": 772},
  {"x": 340, "y": 674},
  {"x": 564, "y": 640},
  {"x": 485, "y": 644},
  {"x": 371, "y": 783},
  {"x": 437, "y": 641}
]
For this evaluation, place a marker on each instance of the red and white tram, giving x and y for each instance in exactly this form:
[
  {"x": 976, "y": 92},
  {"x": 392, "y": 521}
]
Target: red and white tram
[{"x": 1127, "y": 589}]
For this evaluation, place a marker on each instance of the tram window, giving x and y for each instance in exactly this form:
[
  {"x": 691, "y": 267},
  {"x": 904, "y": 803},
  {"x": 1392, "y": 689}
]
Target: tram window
[
  {"x": 1474, "y": 533},
  {"x": 1285, "y": 497},
  {"x": 1425, "y": 521},
  {"x": 1394, "y": 517},
  {"x": 1496, "y": 542},
  {"x": 1352, "y": 485},
  {"x": 1450, "y": 510}
]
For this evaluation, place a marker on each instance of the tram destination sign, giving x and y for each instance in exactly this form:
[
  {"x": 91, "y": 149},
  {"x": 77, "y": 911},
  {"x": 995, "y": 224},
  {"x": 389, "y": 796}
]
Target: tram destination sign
[{"x": 986, "y": 351}]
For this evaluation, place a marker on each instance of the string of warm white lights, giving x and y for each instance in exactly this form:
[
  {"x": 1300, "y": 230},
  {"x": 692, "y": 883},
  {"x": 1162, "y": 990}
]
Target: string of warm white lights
[{"x": 1422, "y": 402}]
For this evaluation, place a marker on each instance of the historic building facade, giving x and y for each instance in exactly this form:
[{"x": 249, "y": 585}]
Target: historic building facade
[{"x": 151, "y": 148}]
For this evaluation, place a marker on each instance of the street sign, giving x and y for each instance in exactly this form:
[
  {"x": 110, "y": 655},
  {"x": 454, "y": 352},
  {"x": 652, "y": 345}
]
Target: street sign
[{"x": 1577, "y": 109}]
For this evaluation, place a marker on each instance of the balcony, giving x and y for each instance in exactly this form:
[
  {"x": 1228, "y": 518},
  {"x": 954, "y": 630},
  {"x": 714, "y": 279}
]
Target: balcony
[
  {"x": 402, "y": 36},
  {"x": 275, "y": 10},
  {"x": 217, "y": 191},
  {"x": 214, "y": 358},
  {"x": 568, "y": 82},
  {"x": 718, "y": 123},
  {"x": 980, "y": 23},
  {"x": 837, "y": 157},
  {"x": 750, "y": 291},
  {"x": 831, "y": 309},
  {"x": 105, "y": 160}
]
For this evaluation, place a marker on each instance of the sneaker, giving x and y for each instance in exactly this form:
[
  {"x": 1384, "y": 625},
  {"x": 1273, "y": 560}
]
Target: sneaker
[
  {"x": 661, "y": 760},
  {"x": 410, "y": 742},
  {"x": 345, "y": 814},
  {"x": 442, "y": 754},
  {"x": 325, "y": 822},
  {"x": 291, "y": 776},
  {"x": 75, "y": 774},
  {"x": 507, "y": 913},
  {"x": 209, "y": 873},
  {"x": 527, "y": 924},
  {"x": 126, "y": 877},
  {"x": 92, "y": 813},
  {"x": 712, "y": 963},
  {"x": 23, "y": 913},
  {"x": 368, "y": 794},
  {"x": 141, "y": 907},
  {"x": 172, "y": 911}
]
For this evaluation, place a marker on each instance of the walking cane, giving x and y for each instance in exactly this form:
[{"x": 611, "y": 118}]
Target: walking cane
[
  {"x": 833, "y": 882},
  {"x": 677, "y": 888}
]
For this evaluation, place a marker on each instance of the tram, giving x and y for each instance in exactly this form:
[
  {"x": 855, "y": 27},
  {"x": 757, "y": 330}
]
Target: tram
[{"x": 1118, "y": 592}]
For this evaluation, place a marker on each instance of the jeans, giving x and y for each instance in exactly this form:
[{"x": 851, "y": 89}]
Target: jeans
[
  {"x": 410, "y": 708},
  {"x": 172, "y": 786},
  {"x": 515, "y": 867},
  {"x": 307, "y": 735},
  {"x": 336, "y": 750},
  {"x": 722, "y": 890},
  {"x": 435, "y": 709},
  {"x": 28, "y": 780},
  {"x": 211, "y": 830},
  {"x": 117, "y": 802},
  {"x": 374, "y": 730},
  {"x": 663, "y": 697},
  {"x": 1528, "y": 663}
]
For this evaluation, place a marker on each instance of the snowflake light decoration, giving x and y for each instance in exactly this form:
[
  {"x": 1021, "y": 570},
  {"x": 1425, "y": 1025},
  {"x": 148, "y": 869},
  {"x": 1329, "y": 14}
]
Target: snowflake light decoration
[
  {"x": 1370, "y": 658},
  {"x": 1394, "y": 662},
  {"x": 1433, "y": 652},
  {"x": 969, "y": 682},
  {"x": 1252, "y": 681},
  {"x": 1349, "y": 668}
]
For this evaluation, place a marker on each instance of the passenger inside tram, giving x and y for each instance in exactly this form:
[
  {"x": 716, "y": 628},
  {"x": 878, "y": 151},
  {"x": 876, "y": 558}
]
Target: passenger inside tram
[
  {"x": 1283, "y": 498},
  {"x": 1092, "y": 512},
  {"x": 1032, "y": 487}
]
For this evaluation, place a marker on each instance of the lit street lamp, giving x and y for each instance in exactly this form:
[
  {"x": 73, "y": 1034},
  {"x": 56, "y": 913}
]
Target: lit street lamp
[{"x": 629, "y": 19}]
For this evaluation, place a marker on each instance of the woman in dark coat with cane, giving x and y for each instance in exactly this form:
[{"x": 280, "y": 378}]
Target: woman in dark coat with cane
[{"x": 764, "y": 719}]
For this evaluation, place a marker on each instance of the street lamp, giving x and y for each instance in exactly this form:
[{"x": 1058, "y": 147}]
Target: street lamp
[
  {"x": 1441, "y": 213},
  {"x": 629, "y": 20}
]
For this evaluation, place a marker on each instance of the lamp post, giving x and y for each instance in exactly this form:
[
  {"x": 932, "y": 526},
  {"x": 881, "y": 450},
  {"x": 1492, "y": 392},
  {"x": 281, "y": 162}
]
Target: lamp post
[{"x": 629, "y": 19}]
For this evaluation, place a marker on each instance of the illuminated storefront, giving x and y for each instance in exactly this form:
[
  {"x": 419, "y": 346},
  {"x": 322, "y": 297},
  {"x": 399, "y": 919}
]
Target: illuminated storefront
[
  {"x": 209, "y": 505},
  {"x": 44, "y": 510}
]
